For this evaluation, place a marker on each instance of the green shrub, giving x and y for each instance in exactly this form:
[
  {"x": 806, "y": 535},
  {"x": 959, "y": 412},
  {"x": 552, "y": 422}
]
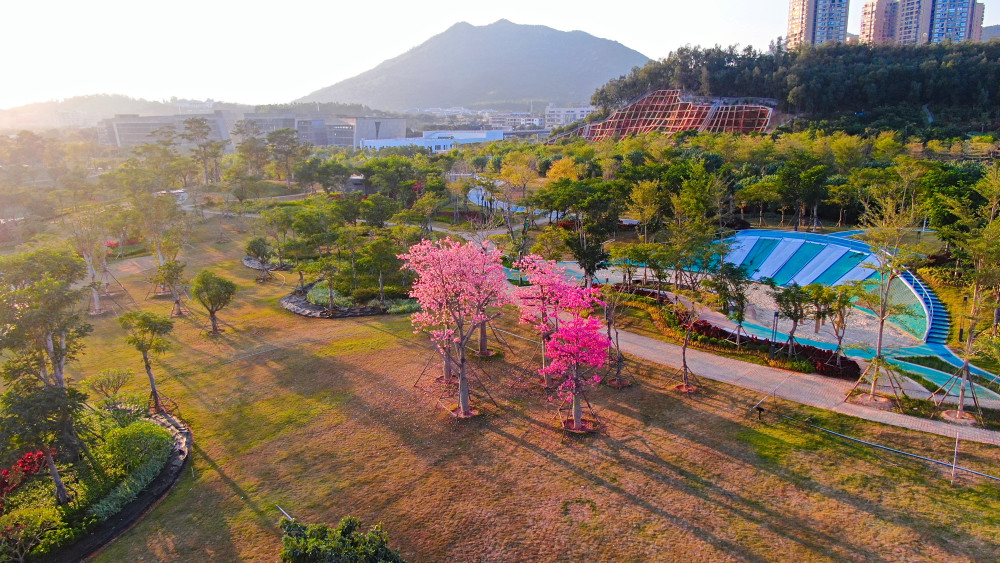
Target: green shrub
[
  {"x": 942, "y": 276},
  {"x": 402, "y": 306},
  {"x": 132, "y": 446},
  {"x": 802, "y": 366},
  {"x": 123, "y": 410},
  {"x": 319, "y": 295},
  {"x": 396, "y": 292},
  {"x": 317, "y": 543},
  {"x": 364, "y": 294},
  {"x": 139, "y": 452},
  {"x": 22, "y": 531}
]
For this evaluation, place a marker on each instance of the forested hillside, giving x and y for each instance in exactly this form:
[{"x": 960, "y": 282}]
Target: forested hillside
[{"x": 962, "y": 80}]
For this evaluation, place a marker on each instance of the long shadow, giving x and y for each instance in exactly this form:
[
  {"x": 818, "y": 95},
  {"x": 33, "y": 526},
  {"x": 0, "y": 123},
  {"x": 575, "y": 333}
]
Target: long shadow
[
  {"x": 726, "y": 448},
  {"x": 263, "y": 521},
  {"x": 727, "y": 546},
  {"x": 696, "y": 486}
]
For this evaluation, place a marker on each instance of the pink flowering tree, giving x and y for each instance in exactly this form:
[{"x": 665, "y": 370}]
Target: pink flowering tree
[
  {"x": 577, "y": 348},
  {"x": 552, "y": 292},
  {"x": 459, "y": 286}
]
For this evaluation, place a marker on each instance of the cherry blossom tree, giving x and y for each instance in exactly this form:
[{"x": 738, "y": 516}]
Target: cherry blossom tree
[
  {"x": 577, "y": 348},
  {"x": 551, "y": 293},
  {"x": 460, "y": 286}
]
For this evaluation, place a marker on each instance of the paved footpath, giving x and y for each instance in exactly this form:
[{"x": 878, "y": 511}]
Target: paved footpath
[{"x": 813, "y": 390}]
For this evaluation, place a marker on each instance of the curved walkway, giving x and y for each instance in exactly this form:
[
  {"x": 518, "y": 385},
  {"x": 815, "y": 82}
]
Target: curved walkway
[{"x": 813, "y": 390}]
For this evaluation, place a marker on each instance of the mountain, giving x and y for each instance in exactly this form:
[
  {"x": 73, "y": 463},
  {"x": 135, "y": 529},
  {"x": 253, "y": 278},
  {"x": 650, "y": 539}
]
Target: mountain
[
  {"x": 495, "y": 65},
  {"x": 991, "y": 32},
  {"x": 86, "y": 111}
]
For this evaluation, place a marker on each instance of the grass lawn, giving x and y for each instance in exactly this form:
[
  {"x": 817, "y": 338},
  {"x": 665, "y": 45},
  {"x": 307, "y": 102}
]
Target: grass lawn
[{"x": 322, "y": 418}]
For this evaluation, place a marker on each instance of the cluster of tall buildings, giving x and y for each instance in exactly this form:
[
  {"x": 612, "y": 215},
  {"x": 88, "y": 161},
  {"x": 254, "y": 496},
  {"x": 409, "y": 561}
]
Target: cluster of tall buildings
[
  {"x": 911, "y": 22},
  {"x": 903, "y": 22}
]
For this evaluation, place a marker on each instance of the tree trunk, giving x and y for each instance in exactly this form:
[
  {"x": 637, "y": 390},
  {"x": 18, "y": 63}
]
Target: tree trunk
[
  {"x": 483, "y": 350},
  {"x": 177, "y": 312},
  {"x": 577, "y": 412},
  {"x": 447, "y": 367},
  {"x": 684, "y": 357},
  {"x": 381, "y": 289},
  {"x": 153, "y": 393},
  {"x": 62, "y": 497},
  {"x": 463, "y": 390},
  {"x": 878, "y": 352},
  {"x": 215, "y": 322}
]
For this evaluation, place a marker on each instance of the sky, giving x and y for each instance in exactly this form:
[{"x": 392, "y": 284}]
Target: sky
[{"x": 258, "y": 52}]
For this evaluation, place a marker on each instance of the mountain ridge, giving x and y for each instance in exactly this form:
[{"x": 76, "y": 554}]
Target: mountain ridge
[{"x": 476, "y": 66}]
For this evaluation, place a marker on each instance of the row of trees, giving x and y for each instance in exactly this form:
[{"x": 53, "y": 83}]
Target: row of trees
[
  {"x": 462, "y": 287},
  {"x": 828, "y": 79}
]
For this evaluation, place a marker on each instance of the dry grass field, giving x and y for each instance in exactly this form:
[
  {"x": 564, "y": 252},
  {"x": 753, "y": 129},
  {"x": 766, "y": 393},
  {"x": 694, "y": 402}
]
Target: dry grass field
[{"x": 323, "y": 419}]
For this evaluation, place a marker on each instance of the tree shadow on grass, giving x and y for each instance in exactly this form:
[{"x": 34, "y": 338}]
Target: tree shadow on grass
[
  {"x": 731, "y": 449},
  {"x": 263, "y": 520}
]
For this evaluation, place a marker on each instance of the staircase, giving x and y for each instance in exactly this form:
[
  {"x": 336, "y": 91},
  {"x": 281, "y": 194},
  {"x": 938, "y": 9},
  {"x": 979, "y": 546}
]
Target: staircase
[{"x": 938, "y": 320}]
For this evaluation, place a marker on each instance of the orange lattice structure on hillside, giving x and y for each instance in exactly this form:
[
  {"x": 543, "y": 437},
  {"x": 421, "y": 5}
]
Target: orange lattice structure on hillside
[{"x": 669, "y": 112}]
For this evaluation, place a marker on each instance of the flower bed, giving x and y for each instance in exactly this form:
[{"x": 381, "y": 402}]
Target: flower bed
[
  {"x": 102, "y": 483},
  {"x": 707, "y": 336}
]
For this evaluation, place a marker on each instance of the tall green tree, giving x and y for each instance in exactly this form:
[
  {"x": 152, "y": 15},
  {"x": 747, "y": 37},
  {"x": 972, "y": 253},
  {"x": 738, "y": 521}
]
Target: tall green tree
[
  {"x": 41, "y": 326},
  {"x": 286, "y": 150},
  {"x": 888, "y": 221},
  {"x": 793, "y": 304},
  {"x": 214, "y": 293},
  {"x": 147, "y": 333}
]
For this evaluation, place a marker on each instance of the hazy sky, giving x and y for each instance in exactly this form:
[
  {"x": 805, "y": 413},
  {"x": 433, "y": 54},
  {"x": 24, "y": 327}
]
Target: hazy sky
[{"x": 261, "y": 52}]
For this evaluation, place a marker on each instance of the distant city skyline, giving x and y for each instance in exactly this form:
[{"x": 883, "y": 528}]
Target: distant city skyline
[{"x": 259, "y": 52}]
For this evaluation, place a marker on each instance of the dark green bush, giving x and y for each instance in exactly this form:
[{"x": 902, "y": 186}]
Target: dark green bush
[
  {"x": 364, "y": 294},
  {"x": 396, "y": 292},
  {"x": 131, "y": 447},
  {"x": 318, "y": 543}
]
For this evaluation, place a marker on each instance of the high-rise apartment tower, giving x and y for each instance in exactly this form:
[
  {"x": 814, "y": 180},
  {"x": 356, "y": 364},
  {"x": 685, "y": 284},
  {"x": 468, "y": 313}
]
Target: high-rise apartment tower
[
  {"x": 878, "y": 22},
  {"x": 814, "y": 22},
  {"x": 913, "y": 22}
]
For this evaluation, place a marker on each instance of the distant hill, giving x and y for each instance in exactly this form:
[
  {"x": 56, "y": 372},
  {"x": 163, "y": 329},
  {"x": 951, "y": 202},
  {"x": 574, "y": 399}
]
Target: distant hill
[
  {"x": 86, "y": 111},
  {"x": 991, "y": 32},
  {"x": 494, "y": 65}
]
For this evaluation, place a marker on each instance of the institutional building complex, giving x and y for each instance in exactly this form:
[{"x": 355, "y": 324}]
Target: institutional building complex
[
  {"x": 316, "y": 129},
  {"x": 814, "y": 22},
  {"x": 914, "y": 22}
]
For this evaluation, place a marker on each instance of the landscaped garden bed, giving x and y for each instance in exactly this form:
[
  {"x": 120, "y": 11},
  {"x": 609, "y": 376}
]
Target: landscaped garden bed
[
  {"x": 313, "y": 300},
  {"x": 110, "y": 485}
]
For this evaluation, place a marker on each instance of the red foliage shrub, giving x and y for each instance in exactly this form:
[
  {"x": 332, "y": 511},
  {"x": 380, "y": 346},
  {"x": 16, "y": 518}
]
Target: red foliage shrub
[{"x": 10, "y": 479}]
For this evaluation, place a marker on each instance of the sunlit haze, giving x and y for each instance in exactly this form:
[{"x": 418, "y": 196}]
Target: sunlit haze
[{"x": 272, "y": 52}]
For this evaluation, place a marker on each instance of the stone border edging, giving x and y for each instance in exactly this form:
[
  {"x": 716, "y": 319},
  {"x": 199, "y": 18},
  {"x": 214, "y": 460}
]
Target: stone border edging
[
  {"x": 111, "y": 529},
  {"x": 254, "y": 264},
  {"x": 297, "y": 303}
]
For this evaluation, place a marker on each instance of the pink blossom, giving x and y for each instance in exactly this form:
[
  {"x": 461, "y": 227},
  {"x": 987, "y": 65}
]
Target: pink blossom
[
  {"x": 459, "y": 285},
  {"x": 551, "y": 292},
  {"x": 576, "y": 348}
]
